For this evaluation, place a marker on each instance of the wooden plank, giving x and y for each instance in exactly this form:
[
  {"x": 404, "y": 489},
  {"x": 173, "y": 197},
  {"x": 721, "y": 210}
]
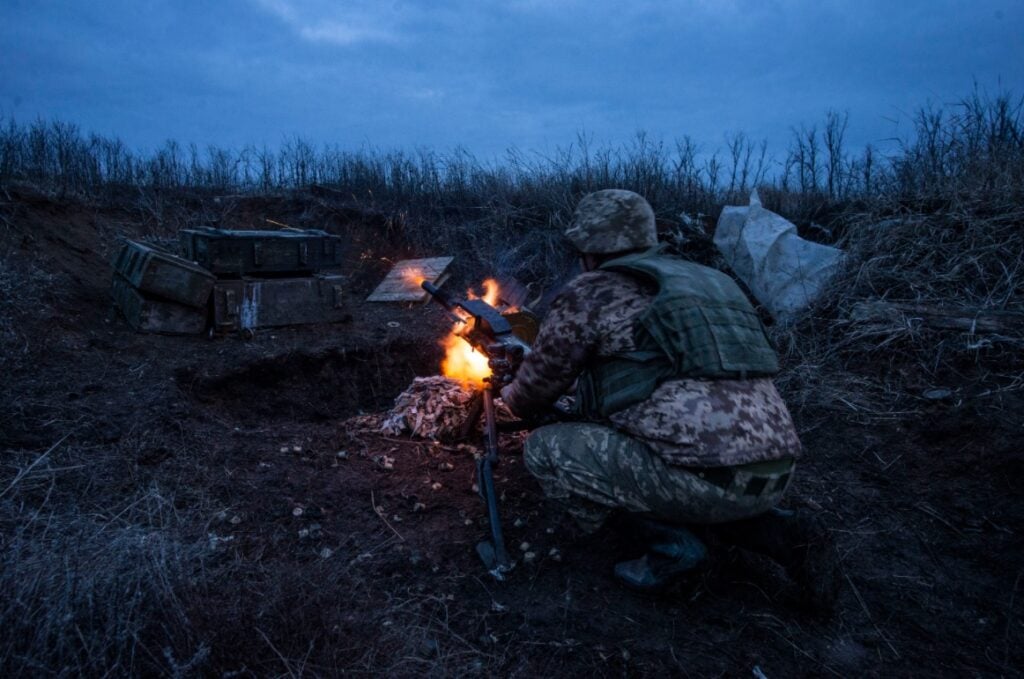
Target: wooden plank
[
  {"x": 975, "y": 321},
  {"x": 402, "y": 284}
]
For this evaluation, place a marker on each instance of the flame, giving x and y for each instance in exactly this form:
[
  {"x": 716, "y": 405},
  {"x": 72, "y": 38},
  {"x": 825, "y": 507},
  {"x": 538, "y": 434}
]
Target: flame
[
  {"x": 462, "y": 362},
  {"x": 413, "y": 276}
]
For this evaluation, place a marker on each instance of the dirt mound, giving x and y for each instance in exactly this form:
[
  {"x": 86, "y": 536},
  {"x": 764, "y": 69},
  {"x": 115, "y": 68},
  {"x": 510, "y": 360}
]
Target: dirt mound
[{"x": 313, "y": 387}]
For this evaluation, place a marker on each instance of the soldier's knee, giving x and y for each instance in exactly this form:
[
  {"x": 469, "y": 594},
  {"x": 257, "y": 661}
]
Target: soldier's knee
[{"x": 536, "y": 454}]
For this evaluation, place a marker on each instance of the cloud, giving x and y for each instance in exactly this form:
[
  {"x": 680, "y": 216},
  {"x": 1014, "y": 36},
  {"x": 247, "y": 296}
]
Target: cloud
[{"x": 329, "y": 24}]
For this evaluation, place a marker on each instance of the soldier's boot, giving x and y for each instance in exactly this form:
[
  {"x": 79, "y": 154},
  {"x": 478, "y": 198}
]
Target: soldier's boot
[
  {"x": 799, "y": 543},
  {"x": 671, "y": 550}
]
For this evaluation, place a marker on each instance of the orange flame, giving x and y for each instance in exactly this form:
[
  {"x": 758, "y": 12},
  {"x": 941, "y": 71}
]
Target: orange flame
[
  {"x": 461, "y": 362},
  {"x": 414, "y": 276}
]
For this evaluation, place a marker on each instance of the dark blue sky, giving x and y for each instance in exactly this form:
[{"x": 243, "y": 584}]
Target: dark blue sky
[{"x": 494, "y": 75}]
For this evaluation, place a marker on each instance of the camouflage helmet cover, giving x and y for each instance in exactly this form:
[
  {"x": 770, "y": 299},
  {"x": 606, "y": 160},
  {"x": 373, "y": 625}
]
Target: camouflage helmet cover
[{"x": 612, "y": 220}]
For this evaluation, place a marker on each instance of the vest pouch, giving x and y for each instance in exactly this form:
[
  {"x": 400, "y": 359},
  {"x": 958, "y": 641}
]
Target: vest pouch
[
  {"x": 739, "y": 340},
  {"x": 713, "y": 341},
  {"x": 618, "y": 383}
]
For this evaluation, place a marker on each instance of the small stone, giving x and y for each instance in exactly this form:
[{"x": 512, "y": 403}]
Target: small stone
[
  {"x": 524, "y": 547},
  {"x": 446, "y": 466},
  {"x": 555, "y": 554},
  {"x": 303, "y": 533},
  {"x": 326, "y": 553},
  {"x": 396, "y": 518},
  {"x": 529, "y": 557},
  {"x": 296, "y": 449},
  {"x": 475, "y": 488},
  {"x": 419, "y": 507},
  {"x": 341, "y": 454},
  {"x": 518, "y": 523},
  {"x": 468, "y": 522},
  {"x": 236, "y": 519},
  {"x": 284, "y": 449},
  {"x": 550, "y": 531},
  {"x": 388, "y": 462},
  {"x": 429, "y": 648},
  {"x": 435, "y": 485},
  {"x": 297, "y": 511}
]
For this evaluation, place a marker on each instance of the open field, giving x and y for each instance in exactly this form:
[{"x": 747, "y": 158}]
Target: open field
[{"x": 219, "y": 507}]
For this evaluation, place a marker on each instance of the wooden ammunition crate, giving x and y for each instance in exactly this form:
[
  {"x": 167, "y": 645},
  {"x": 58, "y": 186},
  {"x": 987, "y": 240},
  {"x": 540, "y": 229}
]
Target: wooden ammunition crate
[
  {"x": 160, "y": 274},
  {"x": 250, "y": 303},
  {"x": 261, "y": 253},
  {"x": 149, "y": 314}
]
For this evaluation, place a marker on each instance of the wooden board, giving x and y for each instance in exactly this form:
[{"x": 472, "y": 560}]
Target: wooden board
[{"x": 402, "y": 284}]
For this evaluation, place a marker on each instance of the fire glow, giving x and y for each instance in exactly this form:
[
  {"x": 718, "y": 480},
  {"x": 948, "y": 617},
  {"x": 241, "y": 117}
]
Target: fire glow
[
  {"x": 413, "y": 276},
  {"x": 461, "y": 362}
]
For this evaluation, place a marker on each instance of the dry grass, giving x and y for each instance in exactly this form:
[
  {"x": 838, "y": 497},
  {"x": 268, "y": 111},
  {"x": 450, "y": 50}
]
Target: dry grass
[{"x": 952, "y": 260}]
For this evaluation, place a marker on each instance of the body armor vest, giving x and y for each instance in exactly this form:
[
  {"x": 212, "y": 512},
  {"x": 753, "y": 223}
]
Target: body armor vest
[{"x": 699, "y": 325}]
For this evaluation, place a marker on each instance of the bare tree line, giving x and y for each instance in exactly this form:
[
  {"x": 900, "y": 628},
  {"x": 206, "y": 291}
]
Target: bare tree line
[{"x": 969, "y": 150}]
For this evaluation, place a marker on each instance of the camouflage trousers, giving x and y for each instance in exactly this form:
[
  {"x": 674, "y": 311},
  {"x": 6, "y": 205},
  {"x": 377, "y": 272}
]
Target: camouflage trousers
[{"x": 593, "y": 470}]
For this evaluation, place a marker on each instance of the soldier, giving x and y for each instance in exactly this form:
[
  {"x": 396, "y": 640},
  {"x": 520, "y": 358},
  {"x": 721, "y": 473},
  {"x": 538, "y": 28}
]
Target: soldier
[{"x": 681, "y": 425}]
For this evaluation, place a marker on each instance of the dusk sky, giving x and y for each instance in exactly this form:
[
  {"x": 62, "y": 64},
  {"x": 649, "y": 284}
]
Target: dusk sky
[{"x": 492, "y": 75}]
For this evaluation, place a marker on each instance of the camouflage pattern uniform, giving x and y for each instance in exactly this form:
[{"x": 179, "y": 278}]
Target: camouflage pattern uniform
[{"x": 696, "y": 451}]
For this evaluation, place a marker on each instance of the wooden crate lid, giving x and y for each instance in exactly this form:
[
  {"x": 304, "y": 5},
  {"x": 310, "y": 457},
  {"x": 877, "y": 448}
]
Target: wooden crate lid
[{"x": 402, "y": 284}]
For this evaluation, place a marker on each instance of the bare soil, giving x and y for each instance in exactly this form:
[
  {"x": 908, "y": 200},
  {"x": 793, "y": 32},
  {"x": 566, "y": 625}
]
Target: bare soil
[{"x": 332, "y": 548}]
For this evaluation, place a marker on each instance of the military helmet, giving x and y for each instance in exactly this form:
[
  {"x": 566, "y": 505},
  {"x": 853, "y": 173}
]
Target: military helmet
[{"x": 612, "y": 220}]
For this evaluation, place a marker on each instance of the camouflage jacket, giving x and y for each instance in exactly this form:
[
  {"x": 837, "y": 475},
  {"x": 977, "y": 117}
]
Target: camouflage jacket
[{"x": 689, "y": 422}]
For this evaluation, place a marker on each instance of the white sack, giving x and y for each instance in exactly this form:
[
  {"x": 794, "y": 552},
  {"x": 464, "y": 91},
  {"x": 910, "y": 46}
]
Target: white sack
[{"x": 784, "y": 271}]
